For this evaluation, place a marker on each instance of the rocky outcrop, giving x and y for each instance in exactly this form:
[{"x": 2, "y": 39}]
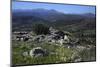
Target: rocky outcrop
[
  {"x": 22, "y": 36},
  {"x": 55, "y": 37}
]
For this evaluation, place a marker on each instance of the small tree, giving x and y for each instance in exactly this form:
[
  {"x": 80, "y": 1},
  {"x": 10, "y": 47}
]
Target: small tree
[{"x": 41, "y": 29}]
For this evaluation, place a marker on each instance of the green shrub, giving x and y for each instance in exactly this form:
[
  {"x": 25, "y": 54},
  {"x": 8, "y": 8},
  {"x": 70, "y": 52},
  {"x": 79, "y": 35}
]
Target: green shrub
[{"x": 41, "y": 29}]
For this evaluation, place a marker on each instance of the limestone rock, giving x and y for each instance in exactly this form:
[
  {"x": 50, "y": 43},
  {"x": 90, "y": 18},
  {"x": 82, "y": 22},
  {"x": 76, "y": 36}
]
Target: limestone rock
[{"x": 37, "y": 52}]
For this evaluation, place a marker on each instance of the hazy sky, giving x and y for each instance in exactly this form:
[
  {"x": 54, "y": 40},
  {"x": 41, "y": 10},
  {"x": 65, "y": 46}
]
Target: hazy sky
[{"x": 78, "y": 9}]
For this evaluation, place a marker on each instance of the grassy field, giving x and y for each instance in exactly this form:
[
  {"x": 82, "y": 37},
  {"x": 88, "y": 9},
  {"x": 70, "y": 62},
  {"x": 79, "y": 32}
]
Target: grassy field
[{"x": 61, "y": 54}]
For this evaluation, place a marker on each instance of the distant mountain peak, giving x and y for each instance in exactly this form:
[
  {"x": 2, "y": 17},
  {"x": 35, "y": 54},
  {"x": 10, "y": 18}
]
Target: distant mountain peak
[{"x": 89, "y": 15}]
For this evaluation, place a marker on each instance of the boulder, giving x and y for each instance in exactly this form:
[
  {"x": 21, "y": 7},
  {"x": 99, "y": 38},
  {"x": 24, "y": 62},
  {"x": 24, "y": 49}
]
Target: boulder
[{"x": 38, "y": 52}]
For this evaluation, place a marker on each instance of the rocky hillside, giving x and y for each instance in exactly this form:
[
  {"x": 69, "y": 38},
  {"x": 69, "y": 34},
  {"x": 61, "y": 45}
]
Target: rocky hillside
[{"x": 55, "y": 47}]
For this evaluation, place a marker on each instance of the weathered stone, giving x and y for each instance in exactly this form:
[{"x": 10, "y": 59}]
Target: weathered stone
[
  {"x": 77, "y": 60},
  {"x": 25, "y": 54},
  {"x": 38, "y": 51},
  {"x": 39, "y": 38}
]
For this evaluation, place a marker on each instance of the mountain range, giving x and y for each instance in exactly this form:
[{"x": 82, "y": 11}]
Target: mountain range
[
  {"x": 50, "y": 15},
  {"x": 25, "y": 18}
]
